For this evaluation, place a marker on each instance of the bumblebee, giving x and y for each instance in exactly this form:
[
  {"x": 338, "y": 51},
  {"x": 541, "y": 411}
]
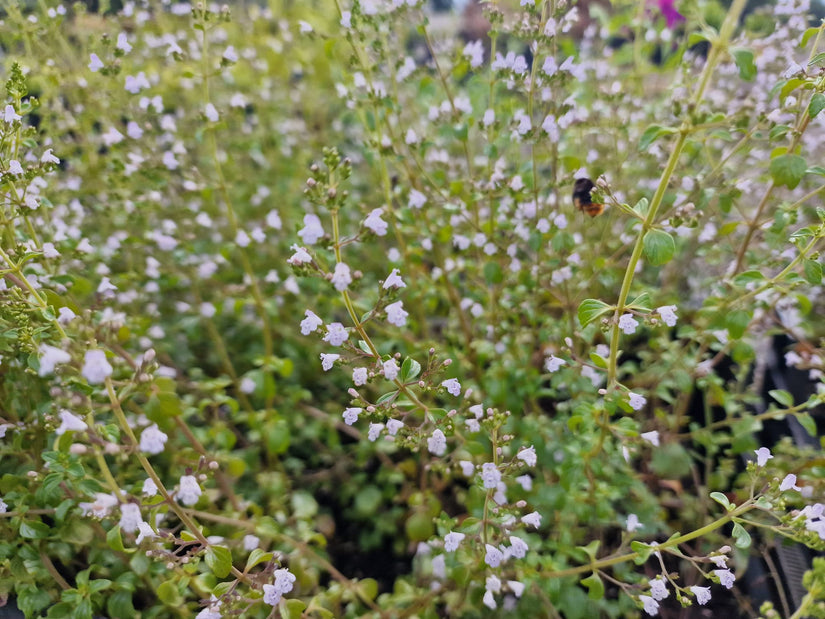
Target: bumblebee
[{"x": 582, "y": 199}]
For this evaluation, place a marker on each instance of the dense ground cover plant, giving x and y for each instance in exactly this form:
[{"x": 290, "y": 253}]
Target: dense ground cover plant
[{"x": 298, "y": 317}]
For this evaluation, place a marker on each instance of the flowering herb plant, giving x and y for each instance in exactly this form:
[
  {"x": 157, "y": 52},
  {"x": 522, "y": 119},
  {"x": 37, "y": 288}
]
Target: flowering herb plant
[{"x": 299, "y": 318}]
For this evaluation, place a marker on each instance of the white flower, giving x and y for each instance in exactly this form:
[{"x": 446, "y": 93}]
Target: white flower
[
  {"x": 518, "y": 547},
  {"x": 15, "y": 167},
  {"x": 189, "y": 490},
  {"x": 651, "y": 437},
  {"x": 95, "y": 64},
  {"x": 452, "y": 386},
  {"x": 304, "y": 27},
  {"x": 452, "y": 540},
  {"x": 390, "y": 369},
  {"x": 393, "y": 281},
  {"x": 342, "y": 276},
  {"x": 346, "y": 19},
  {"x": 553, "y": 363},
  {"x": 247, "y": 385},
  {"x": 528, "y": 456},
  {"x": 437, "y": 443},
  {"x": 95, "y": 367},
  {"x": 310, "y": 323},
  {"x": 516, "y": 587},
  {"x": 327, "y": 360},
  {"x": 351, "y": 415},
  {"x": 312, "y": 230},
  {"x": 123, "y": 43},
  {"x": 763, "y": 454},
  {"x": 50, "y": 356},
  {"x": 130, "y": 517},
  {"x": 375, "y": 431},
  {"x": 396, "y": 314},
  {"x": 281, "y": 585},
  {"x": 301, "y": 256},
  {"x": 702, "y": 594},
  {"x": 494, "y": 556},
  {"x": 49, "y": 157},
  {"x": 3, "y": 507},
  {"x": 474, "y": 51},
  {"x": 726, "y": 577},
  {"x": 153, "y": 440},
  {"x": 490, "y": 475},
  {"x": 70, "y": 423},
  {"x": 411, "y": 137},
  {"x": 149, "y": 487},
  {"x": 651, "y": 605},
  {"x": 359, "y": 376},
  {"x": 533, "y": 519},
  {"x": 211, "y": 113},
  {"x": 628, "y": 324},
  {"x": 375, "y": 223},
  {"x": 439, "y": 565},
  {"x": 493, "y": 583},
  {"x": 230, "y": 55},
  {"x": 637, "y": 401},
  {"x": 468, "y": 469},
  {"x": 489, "y": 600},
  {"x": 251, "y": 542},
  {"x": 393, "y": 426},
  {"x": 658, "y": 589},
  {"x": 145, "y": 532},
  {"x": 336, "y": 334},
  {"x": 101, "y": 507},
  {"x": 668, "y": 314},
  {"x": 416, "y": 199},
  {"x": 633, "y": 523},
  {"x": 789, "y": 483}
]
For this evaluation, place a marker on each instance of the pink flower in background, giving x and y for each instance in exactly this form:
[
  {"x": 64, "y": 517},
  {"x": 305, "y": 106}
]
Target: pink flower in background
[{"x": 672, "y": 16}]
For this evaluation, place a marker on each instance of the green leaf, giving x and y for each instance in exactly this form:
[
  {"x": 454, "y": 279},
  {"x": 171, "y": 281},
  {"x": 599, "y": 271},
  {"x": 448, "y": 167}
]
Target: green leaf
[
  {"x": 641, "y": 303},
  {"x": 119, "y": 604},
  {"x": 591, "y": 309},
  {"x": 745, "y": 64},
  {"x": 782, "y": 396},
  {"x": 34, "y": 529},
  {"x": 742, "y": 538},
  {"x": 659, "y": 247},
  {"x": 595, "y": 586},
  {"x": 114, "y": 539},
  {"x": 808, "y": 422},
  {"x": 294, "y": 609},
  {"x": 368, "y": 588},
  {"x": 651, "y": 134},
  {"x": 168, "y": 593},
  {"x": 386, "y": 397},
  {"x": 409, "y": 369},
  {"x": 820, "y": 57},
  {"x": 219, "y": 560},
  {"x": 493, "y": 273},
  {"x": 643, "y": 550},
  {"x": 813, "y": 271},
  {"x": 816, "y": 105},
  {"x": 736, "y": 322},
  {"x": 99, "y": 584},
  {"x": 591, "y": 549},
  {"x": 722, "y": 500},
  {"x": 788, "y": 170},
  {"x": 257, "y": 556},
  {"x": 642, "y": 207},
  {"x": 810, "y": 32},
  {"x": 748, "y": 277},
  {"x": 598, "y": 360},
  {"x": 778, "y": 131}
]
